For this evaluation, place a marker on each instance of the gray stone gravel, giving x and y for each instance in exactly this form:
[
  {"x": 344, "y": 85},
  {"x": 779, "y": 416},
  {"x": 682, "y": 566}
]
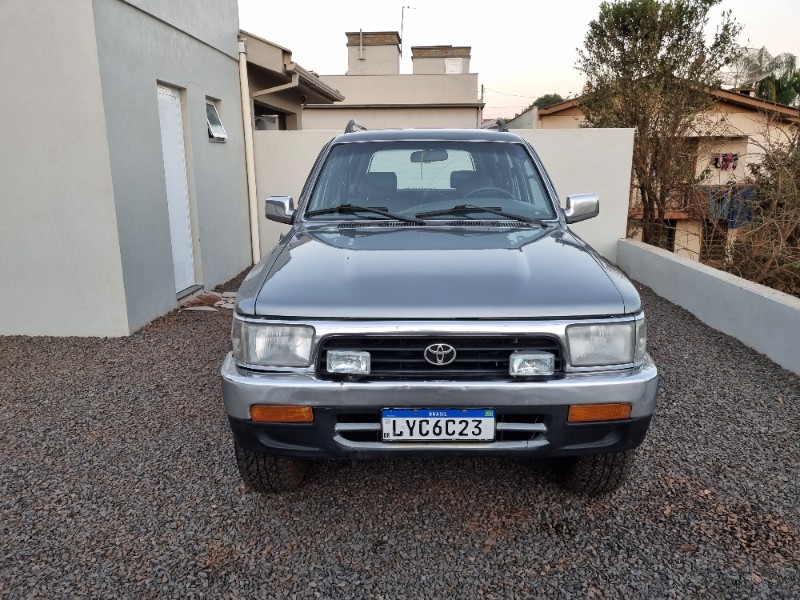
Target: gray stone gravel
[{"x": 118, "y": 480}]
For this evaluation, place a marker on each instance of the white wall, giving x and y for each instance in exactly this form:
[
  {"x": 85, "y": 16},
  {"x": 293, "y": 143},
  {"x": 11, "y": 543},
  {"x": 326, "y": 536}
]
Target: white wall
[
  {"x": 334, "y": 117},
  {"x": 578, "y": 160},
  {"x": 527, "y": 120},
  {"x": 59, "y": 248},
  {"x": 764, "y": 319},
  {"x": 389, "y": 90},
  {"x": 283, "y": 161},
  {"x": 399, "y": 101},
  {"x": 590, "y": 161},
  {"x": 382, "y": 59},
  {"x": 206, "y": 20}
]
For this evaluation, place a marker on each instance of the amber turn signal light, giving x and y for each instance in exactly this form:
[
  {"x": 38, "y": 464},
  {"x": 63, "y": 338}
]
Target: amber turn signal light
[
  {"x": 281, "y": 414},
  {"x": 583, "y": 413}
]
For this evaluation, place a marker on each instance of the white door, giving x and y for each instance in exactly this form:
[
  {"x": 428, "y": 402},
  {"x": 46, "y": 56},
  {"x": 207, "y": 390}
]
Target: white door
[{"x": 180, "y": 228}]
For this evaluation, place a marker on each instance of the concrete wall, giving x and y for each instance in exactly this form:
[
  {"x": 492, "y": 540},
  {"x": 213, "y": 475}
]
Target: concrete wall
[
  {"x": 283, "y": 161},
  {"x": 335, "y": 117},
  {"x": 731, "y": 121},
  {"x": 397, "y": 101},
  {"x": 760, "y": 317},
  {"x": 207, "y": 20},
  {"x": 388, "y": 90},
  {"x": 59, "y": 248},
  {"x": 433, "y": 60},
  {"x": 593, "y": 161},
  {"x": 583, "y": 160},
  {"x": 84, "y": 234},
  {"x": 527, "y": 120},
  {"x": 137, "y": 52},
  {"x": 560, "y": 122}
]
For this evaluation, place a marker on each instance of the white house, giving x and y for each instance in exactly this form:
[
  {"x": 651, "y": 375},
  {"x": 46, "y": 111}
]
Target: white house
[{"x": 122, "y": 163}]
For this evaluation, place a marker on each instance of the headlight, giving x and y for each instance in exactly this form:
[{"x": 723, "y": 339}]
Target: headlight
[
  {"x": 271, "y": 345},
  {"x": 604, "y": 344}
]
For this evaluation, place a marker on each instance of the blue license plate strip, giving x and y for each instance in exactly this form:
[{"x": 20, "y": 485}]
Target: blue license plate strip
[{"x": 438, "y": 424}]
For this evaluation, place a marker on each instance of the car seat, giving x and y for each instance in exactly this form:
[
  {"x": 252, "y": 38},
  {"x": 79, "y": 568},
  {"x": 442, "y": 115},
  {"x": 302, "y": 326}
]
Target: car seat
[
  {"x": 465, "y": 182},
  {"x": 378, "y": 188}
]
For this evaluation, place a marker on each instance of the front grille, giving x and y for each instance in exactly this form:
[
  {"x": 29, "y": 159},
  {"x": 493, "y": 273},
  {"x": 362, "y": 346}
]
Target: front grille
[
  {"x": 365, "y": 428},
  {"x": 403, "y": 357}
]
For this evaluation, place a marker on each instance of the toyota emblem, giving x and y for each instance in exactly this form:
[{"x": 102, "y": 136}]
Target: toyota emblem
[{"x": 440, "y": 354}]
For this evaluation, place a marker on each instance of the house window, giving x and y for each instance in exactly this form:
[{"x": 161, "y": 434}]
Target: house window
[
  {"x": 452, "y": 66},
  {"x": 216, "y": 131}
]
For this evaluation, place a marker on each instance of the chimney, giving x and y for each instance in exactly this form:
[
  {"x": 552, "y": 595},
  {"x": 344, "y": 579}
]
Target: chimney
[
  {"x": 440, "y": 60},
  {"x": 373, "y": 53}
]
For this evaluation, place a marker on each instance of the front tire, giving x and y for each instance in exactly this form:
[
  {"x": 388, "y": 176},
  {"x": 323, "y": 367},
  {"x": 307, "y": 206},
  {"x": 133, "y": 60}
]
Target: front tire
[
  {"x": 595, "y": 474},
  {"x": 270, "y": 473}
]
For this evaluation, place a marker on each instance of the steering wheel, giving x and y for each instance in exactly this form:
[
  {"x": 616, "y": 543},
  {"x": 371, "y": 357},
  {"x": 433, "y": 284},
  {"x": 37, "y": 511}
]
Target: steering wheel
[{"x": 477, "y": 191}]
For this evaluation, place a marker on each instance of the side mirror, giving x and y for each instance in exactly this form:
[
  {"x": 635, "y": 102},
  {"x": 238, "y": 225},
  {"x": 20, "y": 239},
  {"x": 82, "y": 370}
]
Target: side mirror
[
  {"x": 279, "y": 208},
  {"x": 581, "y": 207}
]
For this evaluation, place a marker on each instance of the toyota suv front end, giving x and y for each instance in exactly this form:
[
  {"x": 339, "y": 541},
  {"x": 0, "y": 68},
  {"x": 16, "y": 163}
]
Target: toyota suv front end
[{"x": 431, "y": 300}]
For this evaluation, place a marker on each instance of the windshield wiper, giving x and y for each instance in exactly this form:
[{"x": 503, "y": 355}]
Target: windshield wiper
[
  {"x": 468, "y": 208},
  {"x": 354, "y": 208}
]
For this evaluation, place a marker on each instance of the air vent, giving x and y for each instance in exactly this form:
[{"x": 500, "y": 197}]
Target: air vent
[
  {"x": 513, "y": 224},
  {"x": 355, "y": 224},
  {"x": 465, "y": 223}
]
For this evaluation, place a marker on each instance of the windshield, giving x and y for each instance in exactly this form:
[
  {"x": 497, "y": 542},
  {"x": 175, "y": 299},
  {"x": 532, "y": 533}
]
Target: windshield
[{"x": 431, "y": 180}]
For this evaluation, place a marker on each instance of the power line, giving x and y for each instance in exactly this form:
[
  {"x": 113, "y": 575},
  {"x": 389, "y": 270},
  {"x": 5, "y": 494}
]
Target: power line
[{"x": 505, "y": 93}]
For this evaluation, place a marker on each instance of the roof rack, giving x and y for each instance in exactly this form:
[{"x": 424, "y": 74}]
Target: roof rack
[
  {"x": 353, "y": 126},
  {"x": 496, "y": 125}
]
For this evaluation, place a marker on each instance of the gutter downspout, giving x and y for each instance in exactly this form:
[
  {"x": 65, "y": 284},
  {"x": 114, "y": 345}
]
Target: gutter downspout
[{"x": 249, "y": 155}]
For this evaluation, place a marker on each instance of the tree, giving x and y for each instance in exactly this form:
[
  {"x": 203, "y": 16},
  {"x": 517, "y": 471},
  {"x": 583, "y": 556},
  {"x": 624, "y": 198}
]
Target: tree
[
  {"x": 541, "y": 102},
  {"x": 546, "y": 100},
  {"x": 648, "y": 67},
  {"x": 783, "y": 84},
  {"x": 766, "y": 248},
  {"x": 775, "y": 78}
]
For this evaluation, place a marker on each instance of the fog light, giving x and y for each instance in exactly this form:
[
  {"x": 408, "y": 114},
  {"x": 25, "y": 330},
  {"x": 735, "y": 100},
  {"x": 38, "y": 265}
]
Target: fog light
[
  {"x": 281, "y": 414},
  {"x": 349, "y": 362},
  {"x": 582, "y": 413},
  {"x": 531, "y": 364}
]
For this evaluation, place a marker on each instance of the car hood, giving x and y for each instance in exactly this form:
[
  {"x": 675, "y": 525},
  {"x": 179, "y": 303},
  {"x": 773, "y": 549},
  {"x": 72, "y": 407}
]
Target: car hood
[{"x": 435, "y": 273}]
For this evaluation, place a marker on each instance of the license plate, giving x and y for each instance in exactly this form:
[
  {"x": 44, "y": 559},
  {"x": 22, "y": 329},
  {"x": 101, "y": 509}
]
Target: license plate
[{"x": 437, "y": 425}]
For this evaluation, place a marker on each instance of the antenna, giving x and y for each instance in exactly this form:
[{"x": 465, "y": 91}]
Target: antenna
[{"x": 402, "y": 19}]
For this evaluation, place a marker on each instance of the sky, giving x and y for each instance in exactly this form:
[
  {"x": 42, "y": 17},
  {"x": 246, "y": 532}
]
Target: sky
[{"x": 520, "y": 49}]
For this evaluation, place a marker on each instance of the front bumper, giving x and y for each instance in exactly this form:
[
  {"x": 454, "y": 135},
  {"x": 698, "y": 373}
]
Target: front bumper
[{"x": 532, "y": 415}]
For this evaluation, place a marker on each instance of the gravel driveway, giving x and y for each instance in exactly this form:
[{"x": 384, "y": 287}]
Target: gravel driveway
[{"x": 118, "y": 480}]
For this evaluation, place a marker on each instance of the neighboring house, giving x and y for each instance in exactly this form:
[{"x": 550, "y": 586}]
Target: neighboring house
[
  {"x": 279, "y": 87},
  {"x": 527, "y": 119},
  {"x": 295, "y": 111},
  {"x": 731, "y": 136},
  {"x": 122, "y": 163},
  {"x": 278, "y": 90},
  {"x": 441, "y": 92}
]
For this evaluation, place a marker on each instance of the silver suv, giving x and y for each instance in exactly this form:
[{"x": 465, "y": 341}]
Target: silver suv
[{"x": 430, "y": 300}]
